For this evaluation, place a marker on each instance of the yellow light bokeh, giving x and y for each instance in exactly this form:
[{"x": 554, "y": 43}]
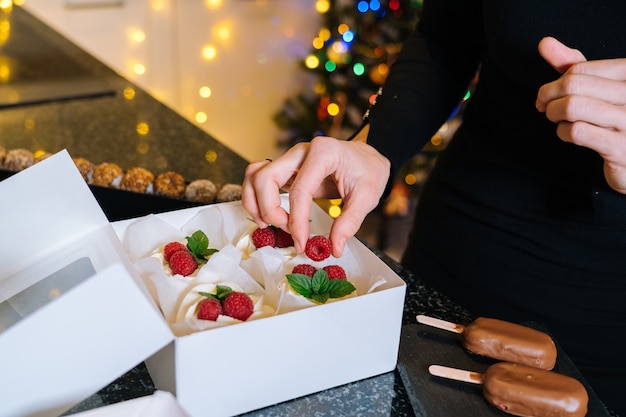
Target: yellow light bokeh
[
  {"x": 322, "y": 6},
  {"x": 5, "y": 72},
  {"x": 324, "y": 34},
  {"x": 129, "y": 93},
  {"x": 333, "y": 109},
  {"x": 143, "y": 148},
  {"x": 213, "y": 4},
  {"x": 157, "y": 5},
  {"x": 143, "y": 128},
  {"x": 342, "y": 28},
  {"x": 201, "y": 117},
  {"x": 312, "y": 62},
  {"x": 205, "y": 92},
  {"x": 6, "y": 5},
  {"x": 319, "y": 88},
  {"x": 209, "y": 52},
  {"x": 410, "y": 179},
  {"x": 222, "y": 31},
  {"x": 210, "y": 156},
  {"x": 318, "y": 43},
  {"x": 139, "y": 69},
  {"x": 138, "y": 36}
]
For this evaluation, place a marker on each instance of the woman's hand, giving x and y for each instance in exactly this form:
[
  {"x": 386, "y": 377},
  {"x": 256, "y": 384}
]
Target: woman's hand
[
  {"x": 588, "y": 104},
  {"x": 324, "y": 168}
]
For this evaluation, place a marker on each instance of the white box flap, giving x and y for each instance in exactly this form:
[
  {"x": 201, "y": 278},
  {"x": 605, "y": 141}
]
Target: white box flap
[
  {"x": 54, "y": 201},
  {"x": 71, "y": 348}
]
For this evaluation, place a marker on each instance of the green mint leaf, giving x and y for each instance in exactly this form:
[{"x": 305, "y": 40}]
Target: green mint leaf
[
  {"x": 223, "y": 291},
  {"x": 320, "y": 298},
  {"x": 208, "y": 295},
  {"x": 319, "y": 282},
  {"x": 198, "y": 245},
  {"x": 301, "y": 284},
  {"x": 338, "y": 288}
]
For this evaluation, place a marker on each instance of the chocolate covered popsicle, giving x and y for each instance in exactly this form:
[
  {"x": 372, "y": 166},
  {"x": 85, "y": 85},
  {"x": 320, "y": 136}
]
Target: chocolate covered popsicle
[
  {"x": 524, "y": 391},
  {"x": 502, "y": 340}
]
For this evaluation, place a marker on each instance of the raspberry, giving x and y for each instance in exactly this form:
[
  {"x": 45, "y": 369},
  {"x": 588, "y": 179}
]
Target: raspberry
[
  {"x": 318, "y": 248},
  {"x": 335, "y": 272},
  {"x": 283, "y": 239},
  {"x": 183, "y": 263},
  {"x": 304, "y": 269},
  {"x": 263, "y": 237},
  {"x": 172, "y": 247},
  {"x": 209, "y": 309},
  {"x": 238, "y": 305}
]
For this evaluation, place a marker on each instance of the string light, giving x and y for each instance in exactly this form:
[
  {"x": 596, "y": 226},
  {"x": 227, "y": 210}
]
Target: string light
[
  {"x": 209, "y": 52},
  {"x": 358, "y": 68},
  {"x": 205, "y": 92},
  {"x": 312, "y": 62}
]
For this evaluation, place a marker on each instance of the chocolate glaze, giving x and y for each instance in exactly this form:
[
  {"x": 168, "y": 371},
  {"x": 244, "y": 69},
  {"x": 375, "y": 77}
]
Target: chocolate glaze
[
  {"x": 531, "y": 392},
  {"x": 510, "y": 342}
]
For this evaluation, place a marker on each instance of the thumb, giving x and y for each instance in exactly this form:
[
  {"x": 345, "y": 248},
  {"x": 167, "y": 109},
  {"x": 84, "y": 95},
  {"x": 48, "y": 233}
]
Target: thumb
[{"x": 559, "y": 56}]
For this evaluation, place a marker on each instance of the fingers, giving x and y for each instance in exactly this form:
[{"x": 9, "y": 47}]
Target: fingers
[
  {"x": 559, "y": 56},
  {"x": 262, "y": 184}
]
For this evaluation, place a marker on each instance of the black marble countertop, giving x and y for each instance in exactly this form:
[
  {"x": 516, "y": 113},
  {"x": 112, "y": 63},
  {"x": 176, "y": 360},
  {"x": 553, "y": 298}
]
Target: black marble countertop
[
  {"x": 59, "y": 97},
  {"x": 54, "y": 96}
]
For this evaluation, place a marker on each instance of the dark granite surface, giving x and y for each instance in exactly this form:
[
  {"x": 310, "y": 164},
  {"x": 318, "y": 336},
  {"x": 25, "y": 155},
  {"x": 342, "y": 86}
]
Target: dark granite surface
[{"x": 59, "y": 97}]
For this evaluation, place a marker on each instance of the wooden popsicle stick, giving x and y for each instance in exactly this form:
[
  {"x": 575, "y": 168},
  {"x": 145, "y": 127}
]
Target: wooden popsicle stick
[
  {"x": 456, "y": 374},
  {"x": 440, "y": 324}
]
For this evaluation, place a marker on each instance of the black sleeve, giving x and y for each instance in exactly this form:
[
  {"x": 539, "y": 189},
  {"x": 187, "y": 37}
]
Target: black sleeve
[{"x": 428, "y": 79}]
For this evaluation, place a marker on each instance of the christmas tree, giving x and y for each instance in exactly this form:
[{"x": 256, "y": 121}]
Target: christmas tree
[{"x": 350, "y": 58}]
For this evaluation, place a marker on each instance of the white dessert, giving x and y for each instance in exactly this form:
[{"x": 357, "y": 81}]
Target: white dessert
[{"x": 189, "y": 304}]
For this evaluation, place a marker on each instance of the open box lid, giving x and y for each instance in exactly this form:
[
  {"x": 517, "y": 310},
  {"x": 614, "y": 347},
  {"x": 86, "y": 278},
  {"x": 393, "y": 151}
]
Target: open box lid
[{"x": 73, "y": 317}]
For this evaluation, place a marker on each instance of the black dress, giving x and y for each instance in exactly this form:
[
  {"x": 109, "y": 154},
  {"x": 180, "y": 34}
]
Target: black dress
[{"x": 513, "y": 222}]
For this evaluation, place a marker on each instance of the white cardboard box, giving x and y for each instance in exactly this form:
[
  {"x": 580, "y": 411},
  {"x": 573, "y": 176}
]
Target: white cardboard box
[
  {"x": 108, "y": 323},
  {"x": 72, "y": 319}
]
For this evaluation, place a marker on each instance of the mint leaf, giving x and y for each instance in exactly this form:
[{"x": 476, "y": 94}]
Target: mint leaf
[
  {"x": 301, "y": 284},
  {"x": 208, "y": 295},
  {"x": 223, "y": 291},
  {"x": 198, "y": 245},
  {"x": 319, "y": 288},
  {"x": 319, "y": 282},
  {"x": 338, "y": 288},
  {"x": 320, "y": 298}
]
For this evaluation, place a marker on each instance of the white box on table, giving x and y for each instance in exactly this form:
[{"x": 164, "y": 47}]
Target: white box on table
[
  {"x": 235, "y": 369},
  {"x": 72, "y": 318},
  {"x": 107, "y": 323}
]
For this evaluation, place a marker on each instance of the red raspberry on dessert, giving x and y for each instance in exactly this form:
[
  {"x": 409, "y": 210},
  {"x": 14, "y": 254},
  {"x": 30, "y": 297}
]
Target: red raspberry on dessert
[
  {"x": 238, "y": 305},
  {"x": 183, "y": 263},
  {"x": 263, "y": 237},
  {"x": 304, "y": 269},
  {"x": 209, "y": 309},
  {"x": 170, "y": 248},
  {"x": 318, "y": 248},
  {"x": 335, "y": 272},
  {"x": 283, "y": 239}
]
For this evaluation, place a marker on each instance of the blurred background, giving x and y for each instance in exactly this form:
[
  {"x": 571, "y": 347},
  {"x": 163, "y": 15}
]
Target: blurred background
[{"x": 260, "y": 75}]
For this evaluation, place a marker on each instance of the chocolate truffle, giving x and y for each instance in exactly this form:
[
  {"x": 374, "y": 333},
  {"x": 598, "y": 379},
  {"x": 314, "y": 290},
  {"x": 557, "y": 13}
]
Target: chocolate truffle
[
  {"x": 18, "y": 159},
  {"x": 107, "y": 174},
  {"x": 85, "y": 167},
  {"x": 170, "y": 184},
  {"x": 201, "y": 191},
  {"x": 137, "y": 179},
  {"x": 229, "y": 192}
]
